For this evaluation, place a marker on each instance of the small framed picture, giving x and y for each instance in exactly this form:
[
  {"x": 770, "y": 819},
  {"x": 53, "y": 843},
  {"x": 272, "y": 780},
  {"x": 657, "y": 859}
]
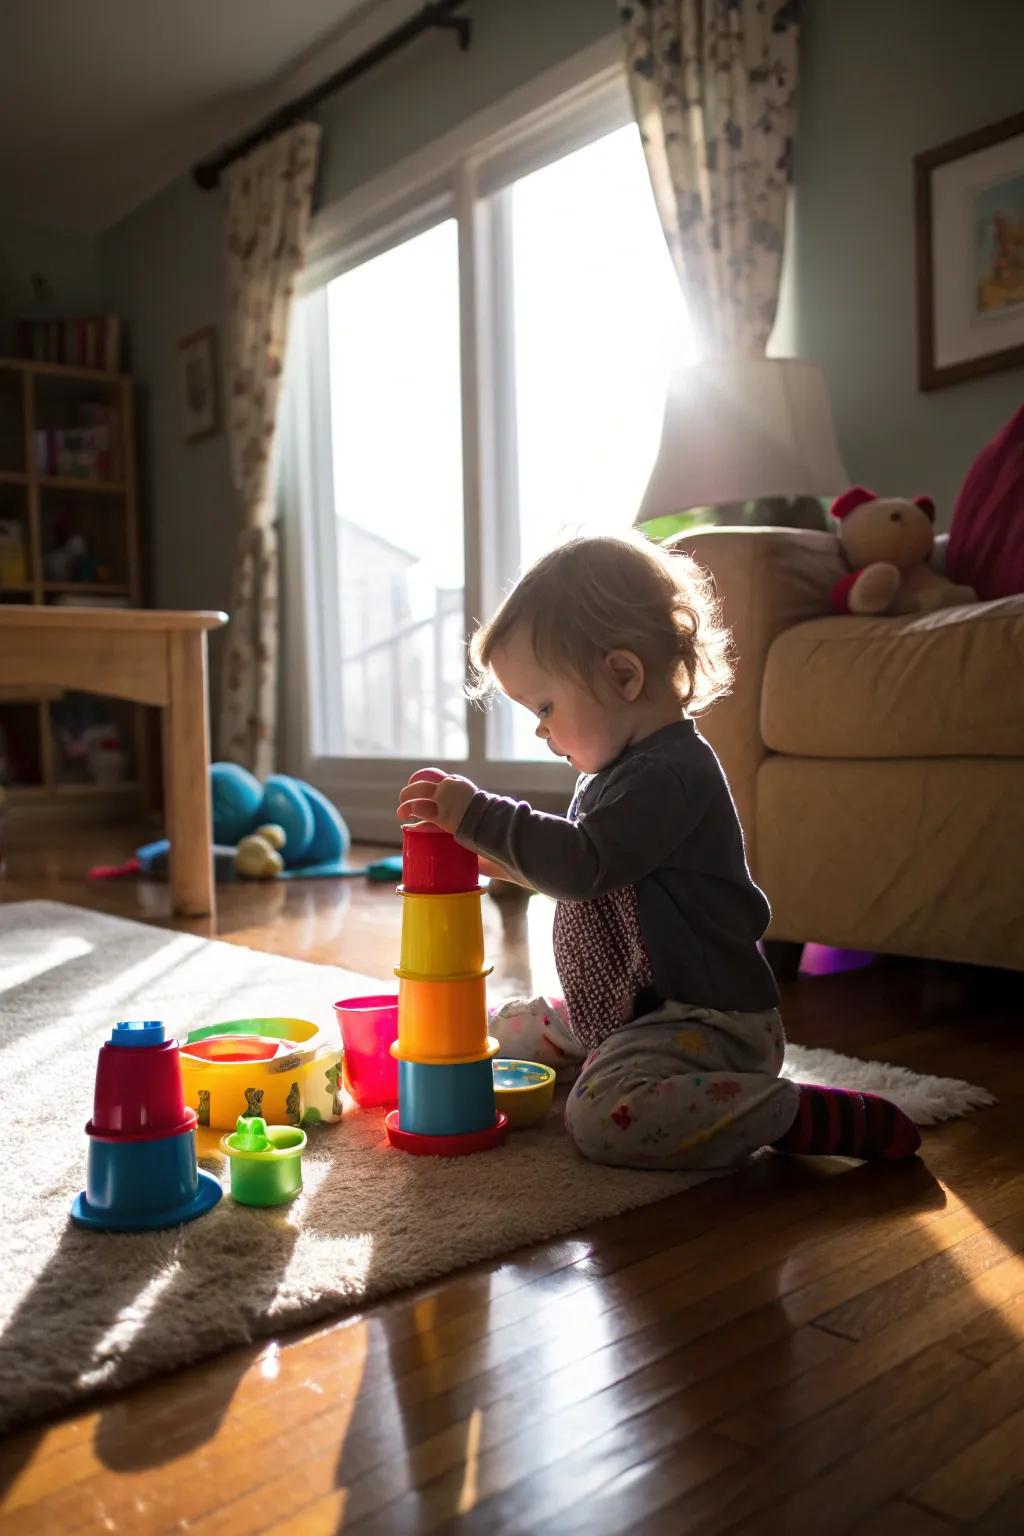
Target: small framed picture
[
  {"x": 969, "y": 198},
  {"x": 199, "y": 387}
]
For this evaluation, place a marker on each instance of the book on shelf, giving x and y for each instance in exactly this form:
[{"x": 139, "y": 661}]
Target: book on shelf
[
  {"x": 93, "y": 341},
  {"x": 88, "y": 451}
]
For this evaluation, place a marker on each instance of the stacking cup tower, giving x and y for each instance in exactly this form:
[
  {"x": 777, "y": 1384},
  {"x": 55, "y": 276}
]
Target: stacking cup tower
[
  {"x": 141, "y": 1171},
  {"x": 445, "y": 1080}
]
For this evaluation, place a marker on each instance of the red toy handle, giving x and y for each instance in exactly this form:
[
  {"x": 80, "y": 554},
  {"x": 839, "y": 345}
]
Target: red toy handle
[{"x": 115, "y": 871}]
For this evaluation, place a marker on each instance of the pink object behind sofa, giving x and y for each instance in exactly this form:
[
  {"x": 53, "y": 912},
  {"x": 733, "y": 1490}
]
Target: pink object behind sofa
[{"x": 986, "y": 538}]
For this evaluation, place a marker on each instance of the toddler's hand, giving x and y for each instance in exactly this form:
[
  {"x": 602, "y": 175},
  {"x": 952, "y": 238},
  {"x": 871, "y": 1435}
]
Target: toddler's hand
[{"x": 435, "y": 797}]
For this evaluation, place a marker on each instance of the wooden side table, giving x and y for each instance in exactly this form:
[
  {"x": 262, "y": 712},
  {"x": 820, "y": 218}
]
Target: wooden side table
[{"x": 147, "y": 657}]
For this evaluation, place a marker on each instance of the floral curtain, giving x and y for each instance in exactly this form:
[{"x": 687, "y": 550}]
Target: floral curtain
[
  {"x": 714, "y": 92},
  {"x": 269, "y": 199}
]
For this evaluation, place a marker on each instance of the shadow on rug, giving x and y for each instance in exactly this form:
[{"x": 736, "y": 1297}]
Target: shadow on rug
[{"x": 368, "y": 1221}]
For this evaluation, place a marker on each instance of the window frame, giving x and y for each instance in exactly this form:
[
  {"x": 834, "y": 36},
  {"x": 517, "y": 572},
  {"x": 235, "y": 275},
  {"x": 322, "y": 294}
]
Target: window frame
[{"x": 463, "y": 176}]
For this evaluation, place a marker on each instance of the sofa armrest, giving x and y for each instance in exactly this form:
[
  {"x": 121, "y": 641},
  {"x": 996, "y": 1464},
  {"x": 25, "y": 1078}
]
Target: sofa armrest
[{"x": 767, "y": 580}]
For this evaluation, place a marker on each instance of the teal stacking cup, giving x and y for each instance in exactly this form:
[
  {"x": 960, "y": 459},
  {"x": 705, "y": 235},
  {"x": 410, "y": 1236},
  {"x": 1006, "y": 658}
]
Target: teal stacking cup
[
  {"x": 141, "y": 1171},
  {"x": 450, "y": 1100}
]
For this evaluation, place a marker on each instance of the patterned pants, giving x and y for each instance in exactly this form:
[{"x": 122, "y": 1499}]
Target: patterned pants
[{"x": 682, "y": 1088}]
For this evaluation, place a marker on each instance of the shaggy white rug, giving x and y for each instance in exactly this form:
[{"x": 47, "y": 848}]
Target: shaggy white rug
[{"x": 80, "y": 1311}]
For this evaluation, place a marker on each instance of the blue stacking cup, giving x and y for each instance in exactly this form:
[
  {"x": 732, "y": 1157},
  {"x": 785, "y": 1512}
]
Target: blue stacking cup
[
  {"x": 449, "y": 1100},
  {"x": 140, "y": 1185}
]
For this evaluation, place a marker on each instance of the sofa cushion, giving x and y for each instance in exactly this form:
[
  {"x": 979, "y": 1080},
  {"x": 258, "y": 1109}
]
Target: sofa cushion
[
  {"x": 945, "y": 684},
  {"x": 907, "y": 858}
]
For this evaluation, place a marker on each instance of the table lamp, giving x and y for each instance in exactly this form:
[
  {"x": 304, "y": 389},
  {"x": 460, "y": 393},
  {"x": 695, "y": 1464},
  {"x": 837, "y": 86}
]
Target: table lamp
[{"x": 742, "y": 430}]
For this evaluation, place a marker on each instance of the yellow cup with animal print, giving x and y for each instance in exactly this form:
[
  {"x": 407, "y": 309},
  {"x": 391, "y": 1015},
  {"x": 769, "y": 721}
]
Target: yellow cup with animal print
[{"x": 286, "y": 1070}]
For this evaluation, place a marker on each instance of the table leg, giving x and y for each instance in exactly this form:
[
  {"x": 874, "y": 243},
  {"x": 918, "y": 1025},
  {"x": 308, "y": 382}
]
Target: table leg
[{"x": 187, "y": 775}]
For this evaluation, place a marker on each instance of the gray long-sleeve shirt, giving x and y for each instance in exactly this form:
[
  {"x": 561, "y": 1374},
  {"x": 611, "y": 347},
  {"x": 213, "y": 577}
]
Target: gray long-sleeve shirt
[{"x": 656, "y": 902}]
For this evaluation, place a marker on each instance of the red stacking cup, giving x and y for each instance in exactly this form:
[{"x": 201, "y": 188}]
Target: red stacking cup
[
  {"x": 434, "y": 864},
  {"x": 139, "y": 1093}
]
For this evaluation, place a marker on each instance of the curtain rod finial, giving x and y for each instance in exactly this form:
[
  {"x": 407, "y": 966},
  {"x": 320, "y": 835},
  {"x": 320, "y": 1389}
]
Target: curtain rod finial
[{"x": 435, "y": 13}]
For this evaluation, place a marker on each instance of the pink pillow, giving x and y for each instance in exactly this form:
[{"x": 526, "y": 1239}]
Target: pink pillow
[{"x": 986, "y": 538}]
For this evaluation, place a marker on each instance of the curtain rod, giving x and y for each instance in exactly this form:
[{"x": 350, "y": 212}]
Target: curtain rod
[{"x": 435, "y": 14}]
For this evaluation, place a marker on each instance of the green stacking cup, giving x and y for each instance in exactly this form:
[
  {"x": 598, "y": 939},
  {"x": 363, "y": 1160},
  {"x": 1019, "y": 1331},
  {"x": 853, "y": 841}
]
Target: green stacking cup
[{"x": 265, "y": 1161}]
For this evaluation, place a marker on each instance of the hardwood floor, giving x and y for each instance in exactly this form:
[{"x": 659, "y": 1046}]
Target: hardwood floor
[{"x": 812, "y": 1345}]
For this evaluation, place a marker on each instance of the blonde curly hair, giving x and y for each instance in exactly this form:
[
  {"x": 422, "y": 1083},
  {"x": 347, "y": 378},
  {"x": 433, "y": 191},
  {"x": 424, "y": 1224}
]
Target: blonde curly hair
[{"x": 593, "y": 595}]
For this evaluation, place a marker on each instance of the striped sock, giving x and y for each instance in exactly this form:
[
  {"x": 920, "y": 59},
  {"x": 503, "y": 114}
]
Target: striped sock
[{"x": 844, "y": 1123}]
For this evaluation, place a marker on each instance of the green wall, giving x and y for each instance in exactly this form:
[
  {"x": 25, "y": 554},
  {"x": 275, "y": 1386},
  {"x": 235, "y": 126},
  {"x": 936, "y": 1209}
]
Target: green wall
[
  {"x": 45, "y": 273},
  {"x": 430, "y": 87},
  {"x": 163, "y": 269},
  {"x": 880, "y": 81}
]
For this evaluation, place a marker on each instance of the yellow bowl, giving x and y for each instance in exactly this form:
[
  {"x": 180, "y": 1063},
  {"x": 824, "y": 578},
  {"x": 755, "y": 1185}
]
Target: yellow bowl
[
  {"x": 442, "y": 1018},
  {"x": 300, "y": 1086},
  {"x": 524, "y": 1091},
  {"x": 442, "y": 936}
]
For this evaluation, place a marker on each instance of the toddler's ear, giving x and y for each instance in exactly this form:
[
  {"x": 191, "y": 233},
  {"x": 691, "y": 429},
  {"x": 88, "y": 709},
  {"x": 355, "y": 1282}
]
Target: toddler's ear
[{"x": 626, "y": 671}]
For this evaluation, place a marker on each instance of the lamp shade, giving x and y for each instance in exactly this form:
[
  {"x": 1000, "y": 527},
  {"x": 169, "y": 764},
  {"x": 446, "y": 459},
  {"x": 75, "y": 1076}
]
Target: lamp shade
[{"x": 739, "y": 429}]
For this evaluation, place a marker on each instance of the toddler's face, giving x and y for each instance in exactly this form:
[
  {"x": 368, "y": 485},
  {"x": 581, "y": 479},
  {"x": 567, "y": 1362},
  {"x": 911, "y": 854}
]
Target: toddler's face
[{"x": 589, "y": 731}]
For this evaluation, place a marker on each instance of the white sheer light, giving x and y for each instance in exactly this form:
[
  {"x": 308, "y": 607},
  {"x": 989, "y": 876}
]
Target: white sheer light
[
  {"x": 599, "y": 326},
  {"x": 396, "y": 434}
]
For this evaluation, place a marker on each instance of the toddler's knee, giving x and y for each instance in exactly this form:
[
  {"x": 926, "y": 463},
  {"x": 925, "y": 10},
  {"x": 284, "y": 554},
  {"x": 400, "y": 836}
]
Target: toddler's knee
[{"x": 587, "y": 1122}]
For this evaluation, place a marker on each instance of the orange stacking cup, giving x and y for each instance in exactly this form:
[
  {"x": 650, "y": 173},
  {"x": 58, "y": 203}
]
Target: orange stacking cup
[
  {"x": 440, "y": 1020},
  {"x": 442, "y": 936}
]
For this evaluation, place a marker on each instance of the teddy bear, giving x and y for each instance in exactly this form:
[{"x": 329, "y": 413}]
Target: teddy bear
[{"x": 888, "y": 541}]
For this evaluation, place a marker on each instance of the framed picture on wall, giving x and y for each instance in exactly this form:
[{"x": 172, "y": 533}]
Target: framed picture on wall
[
  {"x": 199, "y": 388},
  {"x": 969, "y": 197}
]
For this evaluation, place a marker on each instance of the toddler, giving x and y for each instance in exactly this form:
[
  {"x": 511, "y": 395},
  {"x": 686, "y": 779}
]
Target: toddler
[{"x": 614, "y": 645}]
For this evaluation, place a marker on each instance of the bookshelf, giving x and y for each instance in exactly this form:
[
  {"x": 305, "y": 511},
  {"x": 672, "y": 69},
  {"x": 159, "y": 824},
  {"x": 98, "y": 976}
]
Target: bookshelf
[{"x": 69, "y": 536}]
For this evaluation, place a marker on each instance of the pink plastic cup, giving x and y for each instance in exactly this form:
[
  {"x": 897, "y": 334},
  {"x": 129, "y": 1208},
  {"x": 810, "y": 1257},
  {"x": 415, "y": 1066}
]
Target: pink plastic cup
[{"x": 369, "y": 1026}]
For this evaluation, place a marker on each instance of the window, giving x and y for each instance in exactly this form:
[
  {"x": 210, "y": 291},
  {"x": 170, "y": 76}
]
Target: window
[
  {"x": 396, "y": 446},
  {"x": 490, "y": 367},
  {"x": 598, "y": 323}
]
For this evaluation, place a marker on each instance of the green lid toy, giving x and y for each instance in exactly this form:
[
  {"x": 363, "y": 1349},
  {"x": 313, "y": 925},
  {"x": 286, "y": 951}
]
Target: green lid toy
[{"x": 265, "y": 1161}]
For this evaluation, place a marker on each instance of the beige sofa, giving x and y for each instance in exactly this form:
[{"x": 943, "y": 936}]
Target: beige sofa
[{"x": 877, "y": 764}]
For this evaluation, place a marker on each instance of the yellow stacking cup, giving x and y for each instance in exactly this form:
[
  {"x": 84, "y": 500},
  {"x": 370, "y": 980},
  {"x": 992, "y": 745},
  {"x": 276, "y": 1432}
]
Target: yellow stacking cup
[
  {"x": 442, "y": 1019},
  {"x": 442, "y": 936}
]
